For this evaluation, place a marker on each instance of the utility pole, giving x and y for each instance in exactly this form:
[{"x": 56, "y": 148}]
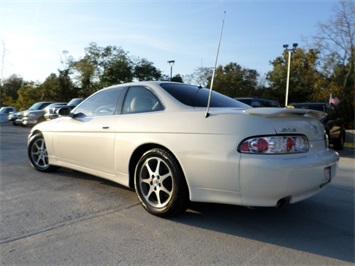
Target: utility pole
[
  {"x": 171, "y": 63},
  {"x": 2, "y": 62},
  {"x": 2, "y": 70}
]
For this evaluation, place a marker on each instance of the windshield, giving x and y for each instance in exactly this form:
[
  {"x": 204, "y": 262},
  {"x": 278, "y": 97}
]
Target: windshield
[
  {"x": 75, "y": 102},
  {"x": 36, "y": 106},
  {"x": 198, "y": 97}
]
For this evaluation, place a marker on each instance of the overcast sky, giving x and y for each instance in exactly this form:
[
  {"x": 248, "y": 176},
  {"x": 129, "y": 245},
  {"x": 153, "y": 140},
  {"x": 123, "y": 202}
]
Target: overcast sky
[{"x": 34, "y": 33}]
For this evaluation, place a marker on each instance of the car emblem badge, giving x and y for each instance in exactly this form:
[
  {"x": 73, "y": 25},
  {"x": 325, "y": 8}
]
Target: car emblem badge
[{"x": 288, "y": 130}]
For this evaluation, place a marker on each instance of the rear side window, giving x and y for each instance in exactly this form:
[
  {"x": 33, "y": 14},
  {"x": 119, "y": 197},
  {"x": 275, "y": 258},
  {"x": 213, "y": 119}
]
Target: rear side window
[
  {"x": 317, "y": 107},
  {"x": 198, "y": 97},
  {"x": 140, "y": 99},
  {"x": 269, "y": 104}
]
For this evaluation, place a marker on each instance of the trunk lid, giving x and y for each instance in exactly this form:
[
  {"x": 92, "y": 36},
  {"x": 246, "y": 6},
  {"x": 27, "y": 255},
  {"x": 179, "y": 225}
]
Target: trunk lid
[{"x": 293, "y": 121}]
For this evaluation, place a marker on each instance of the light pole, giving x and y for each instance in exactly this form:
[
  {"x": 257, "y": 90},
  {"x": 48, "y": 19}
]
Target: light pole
[
  {"x": 171, "y": 63},
  {"x": 294, "y": 46}
]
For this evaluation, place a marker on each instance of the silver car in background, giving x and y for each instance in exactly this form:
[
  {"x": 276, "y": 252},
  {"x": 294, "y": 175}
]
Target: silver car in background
[
  {"x": 33, "y": 115},
  {"x": 5, "y": 111}
]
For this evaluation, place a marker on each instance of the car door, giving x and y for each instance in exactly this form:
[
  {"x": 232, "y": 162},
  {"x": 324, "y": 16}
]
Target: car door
[{"x": 86, "y": 140}]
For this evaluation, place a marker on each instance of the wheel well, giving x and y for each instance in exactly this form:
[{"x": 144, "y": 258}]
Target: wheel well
[
  {"x": 137, "y": 154},
  {"x": 35, "y": 133}
]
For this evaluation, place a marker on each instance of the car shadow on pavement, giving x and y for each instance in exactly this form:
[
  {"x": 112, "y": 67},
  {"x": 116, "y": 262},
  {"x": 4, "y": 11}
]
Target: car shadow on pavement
[
  {"x": 73, "y": 174},
  {"x": 316, "y": 225},
  {"x": 308, "y": 226},
  {"x": 322, "y": 225},
  {"x": 347, "y": 153}
]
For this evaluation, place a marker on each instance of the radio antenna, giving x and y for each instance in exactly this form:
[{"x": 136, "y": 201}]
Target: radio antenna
[{"x": 214, "y": 70}]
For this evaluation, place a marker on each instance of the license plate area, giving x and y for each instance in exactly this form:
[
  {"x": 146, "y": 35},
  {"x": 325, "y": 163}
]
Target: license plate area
[{"x": 327, "y": 176}]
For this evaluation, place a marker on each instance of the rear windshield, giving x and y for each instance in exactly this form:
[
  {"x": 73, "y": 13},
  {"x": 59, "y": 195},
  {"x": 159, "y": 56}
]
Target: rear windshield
[
  {"x": 318, "y": 107},
  {"x": 198, "y": 97}
]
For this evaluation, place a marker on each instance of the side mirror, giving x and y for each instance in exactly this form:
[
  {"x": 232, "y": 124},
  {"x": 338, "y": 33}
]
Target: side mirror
[{"x": 63, "y": 111}]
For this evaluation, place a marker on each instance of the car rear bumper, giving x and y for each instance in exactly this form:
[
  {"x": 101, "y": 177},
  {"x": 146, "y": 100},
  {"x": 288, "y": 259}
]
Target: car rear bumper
[{"x": 269, "y": 180}]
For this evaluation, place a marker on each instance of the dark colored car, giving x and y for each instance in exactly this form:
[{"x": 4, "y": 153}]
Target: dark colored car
[
  {"x": 333, "y": 123},
  {"x": 258, "y": 102}
]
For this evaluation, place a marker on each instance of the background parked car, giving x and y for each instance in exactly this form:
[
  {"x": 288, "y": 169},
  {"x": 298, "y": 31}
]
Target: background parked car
[
  {"x": 13, "y": 118},
  {"x": 33, "y": 115},
  {"x": 258, "y": 102},
  {"x": 333, "y": 123},
  {"x": 74, "y": 102},
  {"x": 50, "y": 112},
  {"x": 5, "y": 111}
]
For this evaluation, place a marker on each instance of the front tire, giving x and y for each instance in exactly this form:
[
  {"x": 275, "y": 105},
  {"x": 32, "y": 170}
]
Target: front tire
[
  {"x": 160, "y": 183},
  {"x": 339, "y": 142},
  {"x": 37, "y": 153}
]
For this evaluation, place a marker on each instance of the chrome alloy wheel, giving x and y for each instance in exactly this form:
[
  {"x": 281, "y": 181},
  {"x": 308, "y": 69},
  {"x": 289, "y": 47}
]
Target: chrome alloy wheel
[
  {"x": 39, "y": 154},
  {"x": 155, "y": 180}
]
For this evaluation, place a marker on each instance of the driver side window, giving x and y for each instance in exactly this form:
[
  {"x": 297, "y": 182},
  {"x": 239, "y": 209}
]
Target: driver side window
[{"x": 100, "y": 104}]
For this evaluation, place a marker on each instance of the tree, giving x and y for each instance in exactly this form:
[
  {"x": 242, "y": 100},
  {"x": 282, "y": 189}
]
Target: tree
[
  {"x": 28, "y": 95},
  {"x": 116, "y": 66},
  {"x": 66, "y": 89},
  {"x": 49, "y": 89},
  {"x": 336, "y": 41},
  {"x": 9, "y": 89},
  {"x": 102, "y": 67},
  {"x": 306, "y": 83},
  {"x": 84, "y": 75},
  {"x": 145, "y": 70},
  {"x": 200, "y": 76},
  {"x": 234, "y": 80},
  {"x": 57, "y": 88},
  {"x": 177, "y": 78}
]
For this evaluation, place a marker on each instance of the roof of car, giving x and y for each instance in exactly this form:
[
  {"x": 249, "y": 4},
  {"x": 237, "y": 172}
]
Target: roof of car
[{"x": 254, "y": 98}]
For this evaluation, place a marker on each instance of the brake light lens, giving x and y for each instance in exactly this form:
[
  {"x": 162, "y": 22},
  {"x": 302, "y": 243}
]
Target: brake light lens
[{"x": 275, "y": 145}]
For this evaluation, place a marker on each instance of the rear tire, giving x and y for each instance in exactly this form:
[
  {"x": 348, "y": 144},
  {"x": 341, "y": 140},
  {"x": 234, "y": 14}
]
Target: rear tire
[
  {"x": 160, "y": 184},
  {"x": 37, "y": 153},
  {"x": 339, "y": 142}
]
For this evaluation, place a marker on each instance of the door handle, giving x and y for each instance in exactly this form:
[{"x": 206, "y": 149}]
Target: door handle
[{"x": 105, "y": 127}]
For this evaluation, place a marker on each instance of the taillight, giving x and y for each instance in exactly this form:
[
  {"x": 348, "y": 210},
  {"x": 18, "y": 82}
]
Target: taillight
[{"x": 275, "y": 145}]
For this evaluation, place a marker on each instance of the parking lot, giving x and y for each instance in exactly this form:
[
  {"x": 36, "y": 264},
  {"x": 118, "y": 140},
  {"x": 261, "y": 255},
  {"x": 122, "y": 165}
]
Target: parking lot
[{"x": 70, "y": 218}]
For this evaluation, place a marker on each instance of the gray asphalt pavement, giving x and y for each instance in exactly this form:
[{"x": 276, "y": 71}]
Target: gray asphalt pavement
[{"x": 70, "y": 218}]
